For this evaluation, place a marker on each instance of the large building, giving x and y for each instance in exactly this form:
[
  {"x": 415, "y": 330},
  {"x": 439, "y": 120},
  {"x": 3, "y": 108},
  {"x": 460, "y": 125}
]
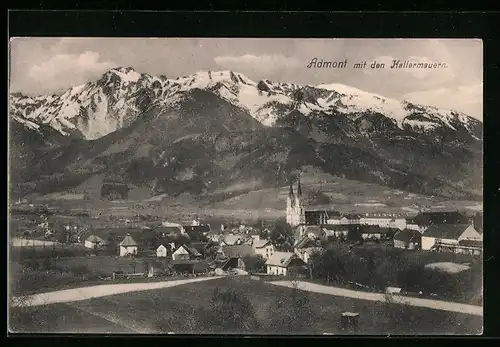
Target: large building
[{"x": 295, "y": 213}]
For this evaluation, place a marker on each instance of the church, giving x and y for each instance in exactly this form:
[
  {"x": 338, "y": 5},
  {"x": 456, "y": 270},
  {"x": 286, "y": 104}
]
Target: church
[{"x": 297, "y": 215}]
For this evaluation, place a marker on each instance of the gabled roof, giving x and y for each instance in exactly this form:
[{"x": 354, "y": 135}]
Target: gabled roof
[
  {"x": 194, "y": 251},
  {"x": 445, "y": 231},
  {"x": 189, "y": 250},
  {"x": 352, "y": 216},
  {"x": 333, "y": 214},
  {"x": 444, "y": 217},
  {"x": 237, "y": 251},
  {"x": 336, "y": 227},
  {"x": 94, "y": 239},
  {"x": 471, "y": 243},
  {"x": 161, "y": 246},
  {"x": 314, "y": 229},
  {"x": 169, "y": 230},
  {"x": 282, "y": 259},
  {"x": 408, "y": 235},
  {"x": 260, "y": 243},
  {"x": 374, "y": 229},
  {"x": 305, "y": 242},
  {"x": 128, "y": 241},
  {"x": 231, "y": 239},
  {"x": 254, "y": 232},
  {"x": 197, "y": 229}
]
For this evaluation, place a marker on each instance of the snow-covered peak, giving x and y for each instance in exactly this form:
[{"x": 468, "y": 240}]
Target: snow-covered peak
[
  {"x": 127, "y": 75},
  {"x": 347, "y": 90},
  {"x": 206, "y": 79},
  {"x": 115, "y": 100}
]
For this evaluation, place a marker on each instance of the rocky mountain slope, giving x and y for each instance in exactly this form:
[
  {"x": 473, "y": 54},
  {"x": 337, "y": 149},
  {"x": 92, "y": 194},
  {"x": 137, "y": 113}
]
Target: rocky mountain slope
[{"x": 203, "y": 132}]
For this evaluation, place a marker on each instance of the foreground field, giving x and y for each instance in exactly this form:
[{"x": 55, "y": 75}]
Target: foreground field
[{"x": 145, "y": 311}]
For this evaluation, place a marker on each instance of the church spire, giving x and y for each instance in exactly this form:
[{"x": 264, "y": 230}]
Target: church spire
[
  {"x": 299, "y": 189},
  {"x": 291, "y": 190}
]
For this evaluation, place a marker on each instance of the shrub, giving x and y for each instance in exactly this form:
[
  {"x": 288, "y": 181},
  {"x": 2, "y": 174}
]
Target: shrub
[
  {"x": 231, "y": 312},
  {"x": 291, "y": 314},
  {"x": 254, "y": 263}
]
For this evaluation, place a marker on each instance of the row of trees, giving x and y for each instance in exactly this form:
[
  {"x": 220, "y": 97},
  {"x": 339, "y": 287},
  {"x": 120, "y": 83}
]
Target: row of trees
[{"x": 342, "y": 264}]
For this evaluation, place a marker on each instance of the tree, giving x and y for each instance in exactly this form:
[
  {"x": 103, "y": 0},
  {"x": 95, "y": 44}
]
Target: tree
[
  {"x": 281, "y": 232},
  {"x": 231, "y": 312},
  {"x": 211, "y": 250},
  {"x": 254, "y": 263},
  {"x": 354, "y": 235},
  {"x": 291, "y": 313},
  {"x": 183, "y": 239}
]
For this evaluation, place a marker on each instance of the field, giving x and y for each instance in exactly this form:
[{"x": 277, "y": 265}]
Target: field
[
  {"x": 252, "y": 202},
  {"x": 71, "y": 272},
  {"x": 143, "y": 311}
]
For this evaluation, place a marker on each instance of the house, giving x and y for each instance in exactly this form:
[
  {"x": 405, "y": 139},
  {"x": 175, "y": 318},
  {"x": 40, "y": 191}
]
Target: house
[
  {"x": 374, "y": 232},
  {"x": 167, "y": 231},
  {"x": 189, "y": 266},
  {"x": 305, "y": 248},
  {"x": 336, "y": 230},
  {"x": 320, "y": 217},
  {"x": 232, "y": 239},
  {"x": 412, "y": 225},
  {"x": 161, "y": 251},
  {"x": 201, "y": 247},
  {"x": 265, "y": 248},
  {"x": 441, "y": 217},
  {"x": 93, "y": 242},
  {"x": 186, "y": 253},
  {"x": 195, "y": 222},
  {"x": 196, "y": 232},
  {"x": 408, "y": 239},
  {"x": 383, "y": 221},
  {"x": 438, "y": 236},
  {"x": 350, "y": 219},
  {"x": 215, "y": 236},
  {"x": 334, "y": 220},
  {"x": 128, "y": 246},
  {"x": 285, "y": 263},
  {"x": 311, "y": 231},
  {"x": 232, "y": 256},
  {"x": 477, "y": 221}
]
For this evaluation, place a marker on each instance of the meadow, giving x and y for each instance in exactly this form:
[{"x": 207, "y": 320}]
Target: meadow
[{"x": 168, "y": 309}]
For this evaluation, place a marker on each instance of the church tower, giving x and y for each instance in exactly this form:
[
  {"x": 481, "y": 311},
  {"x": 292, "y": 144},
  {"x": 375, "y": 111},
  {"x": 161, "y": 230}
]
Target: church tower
[
  {"x": 290, "y": 204},
  {"x": 295, "y": 214}
]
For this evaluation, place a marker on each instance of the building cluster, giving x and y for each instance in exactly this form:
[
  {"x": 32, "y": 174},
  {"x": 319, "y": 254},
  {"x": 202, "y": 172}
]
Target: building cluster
[
  {"x": 431, "y": 231},
  {"x": 180, "y": 245}
]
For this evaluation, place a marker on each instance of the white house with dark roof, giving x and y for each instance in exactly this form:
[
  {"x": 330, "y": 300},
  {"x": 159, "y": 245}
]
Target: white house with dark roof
[
  {"x": 128, "y": 246},
  {"x": 265, "y": 248},
  {"x": 93, "y": 241},
  {"x": 186, "y": 253},
  {"x": 161, "y": 251},
  {"x": 448, "y": 234},
  {"x": 280, "y": 263},
  {"x": 408, "y": 239}
]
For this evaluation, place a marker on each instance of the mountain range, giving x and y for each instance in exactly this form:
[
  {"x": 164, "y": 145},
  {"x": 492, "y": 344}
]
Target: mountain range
[{"x": 202, "y": 133}]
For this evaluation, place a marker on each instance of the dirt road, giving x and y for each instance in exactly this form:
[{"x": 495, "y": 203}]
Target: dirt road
[
  {"x": 433, "y": 304},
  {"x": 85, "y": 293}
]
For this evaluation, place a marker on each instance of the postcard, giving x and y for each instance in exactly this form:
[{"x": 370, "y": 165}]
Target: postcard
[{"x": 245, "y": 186}]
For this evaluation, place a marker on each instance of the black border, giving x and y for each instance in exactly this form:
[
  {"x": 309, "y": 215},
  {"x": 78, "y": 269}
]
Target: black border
[{"x": 306, "y": 24}]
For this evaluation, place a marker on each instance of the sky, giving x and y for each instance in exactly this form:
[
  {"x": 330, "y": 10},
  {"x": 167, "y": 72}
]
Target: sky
[{"x": 50, "y": 65}]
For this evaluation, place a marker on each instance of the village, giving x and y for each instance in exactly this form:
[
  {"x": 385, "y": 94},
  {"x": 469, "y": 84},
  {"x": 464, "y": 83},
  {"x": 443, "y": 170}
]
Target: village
[{"x": 290, "y": 247}]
